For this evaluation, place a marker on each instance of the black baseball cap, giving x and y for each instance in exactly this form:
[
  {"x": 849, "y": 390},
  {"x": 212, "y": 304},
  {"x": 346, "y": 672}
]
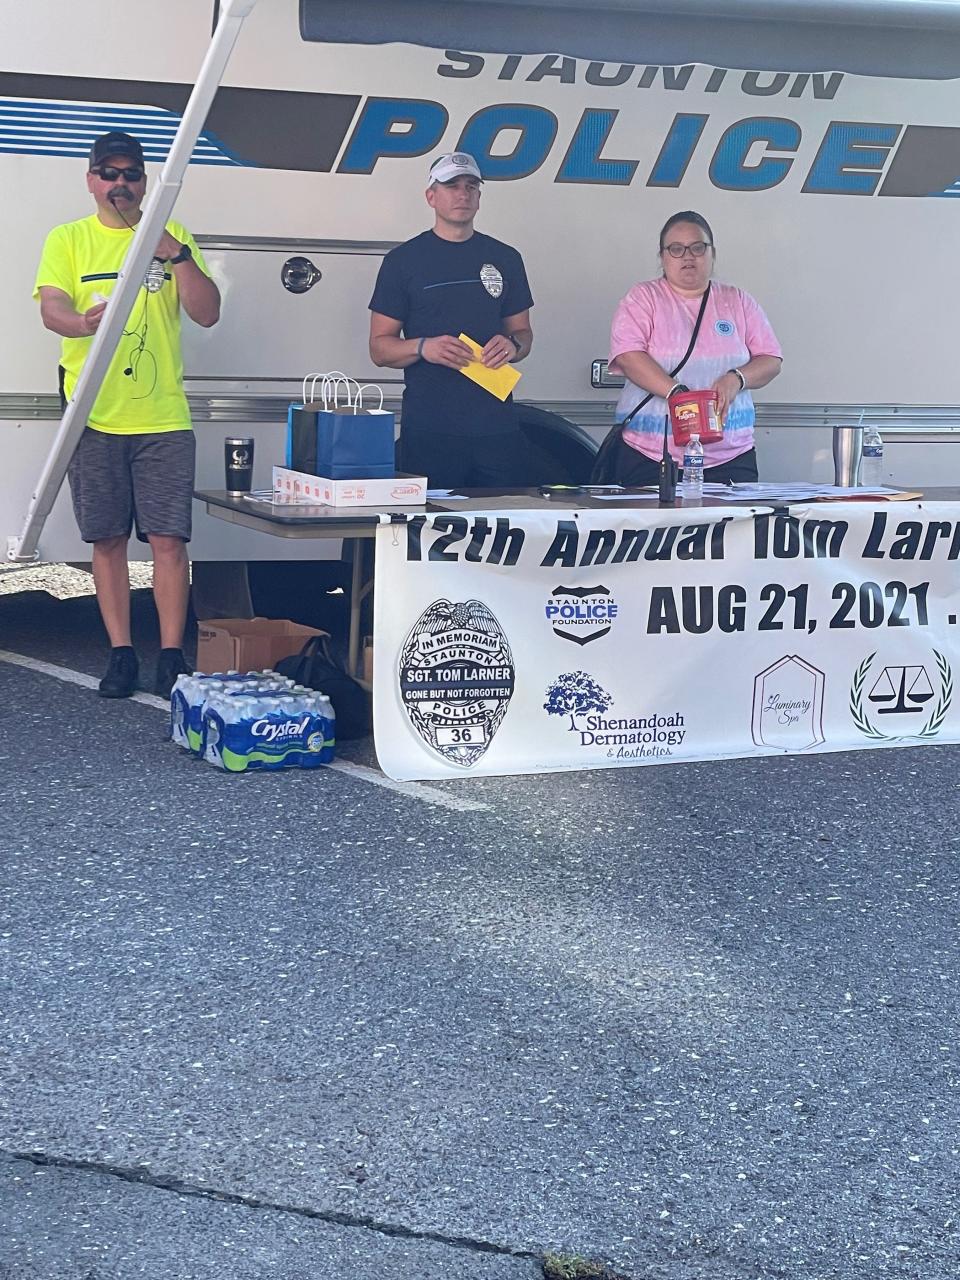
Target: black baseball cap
[{"x": 115, "y": 144}]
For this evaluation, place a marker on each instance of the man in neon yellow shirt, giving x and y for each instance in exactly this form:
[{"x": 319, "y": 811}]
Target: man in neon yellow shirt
[{"x": 134, "y": 465}]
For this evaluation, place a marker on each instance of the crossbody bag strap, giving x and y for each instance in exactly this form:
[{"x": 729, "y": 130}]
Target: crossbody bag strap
[{"x": 686, "y": 356}]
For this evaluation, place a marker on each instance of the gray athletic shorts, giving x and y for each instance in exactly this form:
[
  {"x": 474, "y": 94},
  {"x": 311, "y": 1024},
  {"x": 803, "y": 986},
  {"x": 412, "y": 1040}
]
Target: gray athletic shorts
[{"x": 120, "y": 481}]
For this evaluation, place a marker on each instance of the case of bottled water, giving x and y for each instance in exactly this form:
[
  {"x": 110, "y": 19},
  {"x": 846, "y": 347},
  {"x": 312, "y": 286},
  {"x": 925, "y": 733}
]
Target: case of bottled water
[
  {"x": 265, "y": 728},
  {"x": 190, "y": 693},
  {"x": 252, "y": 720}
]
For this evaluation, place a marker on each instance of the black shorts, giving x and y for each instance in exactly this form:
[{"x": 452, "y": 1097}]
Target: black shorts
[
  {"x": 117, "y": 482},
  {"x": 455, "y": 460},
  {"x": 634, "y": 469}
]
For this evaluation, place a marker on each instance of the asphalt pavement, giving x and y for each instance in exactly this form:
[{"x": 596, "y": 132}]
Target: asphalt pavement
[{"x": 696, "y": 1022}]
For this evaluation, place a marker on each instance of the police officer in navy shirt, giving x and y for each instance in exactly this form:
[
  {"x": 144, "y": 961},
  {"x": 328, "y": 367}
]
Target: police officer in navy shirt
[{"x": 442, "y": 283}]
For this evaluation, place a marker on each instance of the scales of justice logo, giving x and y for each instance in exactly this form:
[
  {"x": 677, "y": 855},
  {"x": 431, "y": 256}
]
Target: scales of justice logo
[
  {"x": 901, "y": 693},
  {"x": 456, "y": 677}
]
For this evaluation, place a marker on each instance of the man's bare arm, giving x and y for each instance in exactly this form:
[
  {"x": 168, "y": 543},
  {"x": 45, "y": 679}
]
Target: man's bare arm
[
  {"x": 388, "y": 350},
  {"x": 60, "y": 315}
]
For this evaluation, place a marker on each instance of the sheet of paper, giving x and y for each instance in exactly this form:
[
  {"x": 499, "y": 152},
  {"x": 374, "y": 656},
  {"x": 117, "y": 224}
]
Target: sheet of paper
[
  {"x": 499, "y": 382},
  {"x": 797, "y": 491},
  {"x": 623, "y": 497}
]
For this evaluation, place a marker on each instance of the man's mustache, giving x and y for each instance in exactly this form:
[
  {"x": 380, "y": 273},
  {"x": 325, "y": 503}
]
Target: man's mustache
[{"x": 120, "y": 193}]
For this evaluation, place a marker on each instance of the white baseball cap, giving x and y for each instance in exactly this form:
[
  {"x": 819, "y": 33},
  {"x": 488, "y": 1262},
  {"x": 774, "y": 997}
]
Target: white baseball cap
[{"x": 457, "y": 164}]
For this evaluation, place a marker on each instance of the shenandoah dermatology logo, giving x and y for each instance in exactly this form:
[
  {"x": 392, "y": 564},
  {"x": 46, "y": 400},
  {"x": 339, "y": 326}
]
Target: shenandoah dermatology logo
[
  {"x": 891, "y": 703},
  {"x": 578, "y": 697},
  {"x": 456, "y": 678},
  {"x": 581, "y": 614}
]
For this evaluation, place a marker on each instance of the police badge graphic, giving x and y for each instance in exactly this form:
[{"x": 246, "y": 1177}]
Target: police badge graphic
[
  {"x": 491, "y": 279},
  {"x": 456, "y": 675}
]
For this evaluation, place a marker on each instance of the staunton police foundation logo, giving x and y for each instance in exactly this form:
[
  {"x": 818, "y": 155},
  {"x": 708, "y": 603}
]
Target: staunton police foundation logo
[
  {"x": 491, "y": 279},
  {"x": 456, "y": 679},
  {"x": 581, "y": 614},
  {"x": 902, "y": 698}
]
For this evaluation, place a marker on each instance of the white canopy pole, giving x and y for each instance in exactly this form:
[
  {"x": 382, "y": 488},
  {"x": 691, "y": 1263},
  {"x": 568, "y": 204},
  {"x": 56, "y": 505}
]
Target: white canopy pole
[{"x": 156, "y": 211}]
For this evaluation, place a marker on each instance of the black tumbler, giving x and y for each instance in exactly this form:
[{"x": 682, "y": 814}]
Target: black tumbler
[{"x": 238, "y": 458}]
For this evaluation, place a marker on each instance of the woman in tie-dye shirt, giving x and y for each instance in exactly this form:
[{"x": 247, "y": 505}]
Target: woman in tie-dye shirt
[{"x": 736, "y": 352}]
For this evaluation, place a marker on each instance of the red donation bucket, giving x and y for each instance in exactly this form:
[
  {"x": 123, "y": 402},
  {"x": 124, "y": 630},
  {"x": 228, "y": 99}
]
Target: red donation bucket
[{"x": 695, "y": 413}]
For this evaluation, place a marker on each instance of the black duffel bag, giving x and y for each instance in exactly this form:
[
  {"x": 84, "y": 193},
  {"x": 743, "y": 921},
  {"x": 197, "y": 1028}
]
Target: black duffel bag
[{"x": 315, "y": 667}]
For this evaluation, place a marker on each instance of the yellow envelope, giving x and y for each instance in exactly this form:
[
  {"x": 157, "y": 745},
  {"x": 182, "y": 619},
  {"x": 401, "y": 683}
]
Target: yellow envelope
[{"x": 499, "y": 382}]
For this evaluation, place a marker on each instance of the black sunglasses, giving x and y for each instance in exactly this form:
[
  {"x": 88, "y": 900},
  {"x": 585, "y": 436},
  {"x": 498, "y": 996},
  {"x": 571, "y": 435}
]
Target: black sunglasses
[{"x": 133, "y": 173}]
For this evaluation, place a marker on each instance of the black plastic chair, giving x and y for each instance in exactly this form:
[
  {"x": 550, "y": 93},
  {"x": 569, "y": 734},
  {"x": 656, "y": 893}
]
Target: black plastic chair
[{"x": 558, "y": 451}]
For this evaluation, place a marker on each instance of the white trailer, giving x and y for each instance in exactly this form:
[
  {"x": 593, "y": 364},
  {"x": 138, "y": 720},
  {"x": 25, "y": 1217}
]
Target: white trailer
[{"x": 820, "y": 140}]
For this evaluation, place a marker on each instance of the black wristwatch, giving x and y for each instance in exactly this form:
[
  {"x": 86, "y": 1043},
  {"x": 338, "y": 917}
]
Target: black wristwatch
[
  {"x": 516, "y": 342},
  {"x": 185, "y": 254}
]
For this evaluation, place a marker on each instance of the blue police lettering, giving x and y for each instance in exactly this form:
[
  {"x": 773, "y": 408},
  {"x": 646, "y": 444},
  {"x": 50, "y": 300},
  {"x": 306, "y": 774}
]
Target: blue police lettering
[
  {"x": 753, "y": 154},
  {"x": 583, "y": 611}
]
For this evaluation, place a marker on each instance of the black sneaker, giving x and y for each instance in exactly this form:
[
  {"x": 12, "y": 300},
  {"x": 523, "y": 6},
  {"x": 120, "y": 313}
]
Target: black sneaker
[
  {"x": 121, "y": 675},
  {"x": 170, "y": 664}
]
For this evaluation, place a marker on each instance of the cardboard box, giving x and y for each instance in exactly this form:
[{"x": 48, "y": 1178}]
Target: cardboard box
[
  {"x": 248, "y": 644},
  {"x": 300, "y": 489}
]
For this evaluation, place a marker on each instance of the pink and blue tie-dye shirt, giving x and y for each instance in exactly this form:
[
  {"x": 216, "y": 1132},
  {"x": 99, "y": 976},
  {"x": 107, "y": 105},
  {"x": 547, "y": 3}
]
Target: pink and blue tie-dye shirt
[{"x": 655, "y": 319}]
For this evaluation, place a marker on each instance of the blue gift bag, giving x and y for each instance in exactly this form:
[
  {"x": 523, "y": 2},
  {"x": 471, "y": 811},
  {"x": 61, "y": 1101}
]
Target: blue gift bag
[{"x": 340, "y": 441}]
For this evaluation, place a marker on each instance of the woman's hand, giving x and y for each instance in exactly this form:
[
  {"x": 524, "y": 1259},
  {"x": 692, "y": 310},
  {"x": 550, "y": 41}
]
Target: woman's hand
[{"x": 727, "y": 387}]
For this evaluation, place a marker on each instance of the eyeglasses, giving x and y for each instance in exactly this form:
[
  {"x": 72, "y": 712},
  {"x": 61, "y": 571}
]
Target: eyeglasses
[
  {"x": 696, "y": 250},
  {"x": 133, "y": 173}
]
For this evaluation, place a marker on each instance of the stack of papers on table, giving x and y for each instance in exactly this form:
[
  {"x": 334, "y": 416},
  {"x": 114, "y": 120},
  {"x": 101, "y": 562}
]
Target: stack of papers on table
[{"x": 800, "y": 491}]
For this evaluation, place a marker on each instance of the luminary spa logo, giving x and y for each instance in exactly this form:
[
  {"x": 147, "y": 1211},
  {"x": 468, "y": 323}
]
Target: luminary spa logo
[
  {"x": 913, "y": 699},
  {"x": 578, "y": 696},
  {"x": 456, "y": 677},
  {"x": 788, "y": 705},
  {"x": 581, "y": 614}
]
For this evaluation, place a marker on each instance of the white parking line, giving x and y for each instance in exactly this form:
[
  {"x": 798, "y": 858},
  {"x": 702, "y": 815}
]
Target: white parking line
[
  {"x": 416, "y": 790},
  {"x": 412, "y": 790}
]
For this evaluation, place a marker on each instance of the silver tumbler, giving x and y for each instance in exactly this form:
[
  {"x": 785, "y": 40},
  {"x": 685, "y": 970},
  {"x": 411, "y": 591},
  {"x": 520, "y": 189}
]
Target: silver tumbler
[{"x": 847, "y": 449}]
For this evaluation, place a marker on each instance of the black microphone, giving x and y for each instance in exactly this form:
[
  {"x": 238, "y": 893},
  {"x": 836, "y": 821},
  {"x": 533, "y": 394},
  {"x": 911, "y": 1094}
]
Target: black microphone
[{"x": 668, "y": 469}]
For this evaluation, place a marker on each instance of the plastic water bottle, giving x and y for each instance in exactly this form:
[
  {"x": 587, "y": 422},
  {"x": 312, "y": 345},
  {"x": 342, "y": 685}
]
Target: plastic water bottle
[
  {"x": 693, "y": 467},
  {"x": 871, "y": 465},
  {"x": 329, "y": 721}
]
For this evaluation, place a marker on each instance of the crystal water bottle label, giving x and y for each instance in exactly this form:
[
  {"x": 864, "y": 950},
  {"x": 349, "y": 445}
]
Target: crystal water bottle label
[{"x": 255, "y": 730}]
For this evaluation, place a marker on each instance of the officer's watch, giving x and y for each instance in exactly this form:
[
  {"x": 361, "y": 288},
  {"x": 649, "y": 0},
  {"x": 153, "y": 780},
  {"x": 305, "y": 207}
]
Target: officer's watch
[
  {"x": 516, "y": 341},
  {"x": 185, "y": 254}
]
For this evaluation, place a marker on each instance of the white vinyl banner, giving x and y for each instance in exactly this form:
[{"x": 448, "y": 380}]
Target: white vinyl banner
[{"x": 528, "y": 641}]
